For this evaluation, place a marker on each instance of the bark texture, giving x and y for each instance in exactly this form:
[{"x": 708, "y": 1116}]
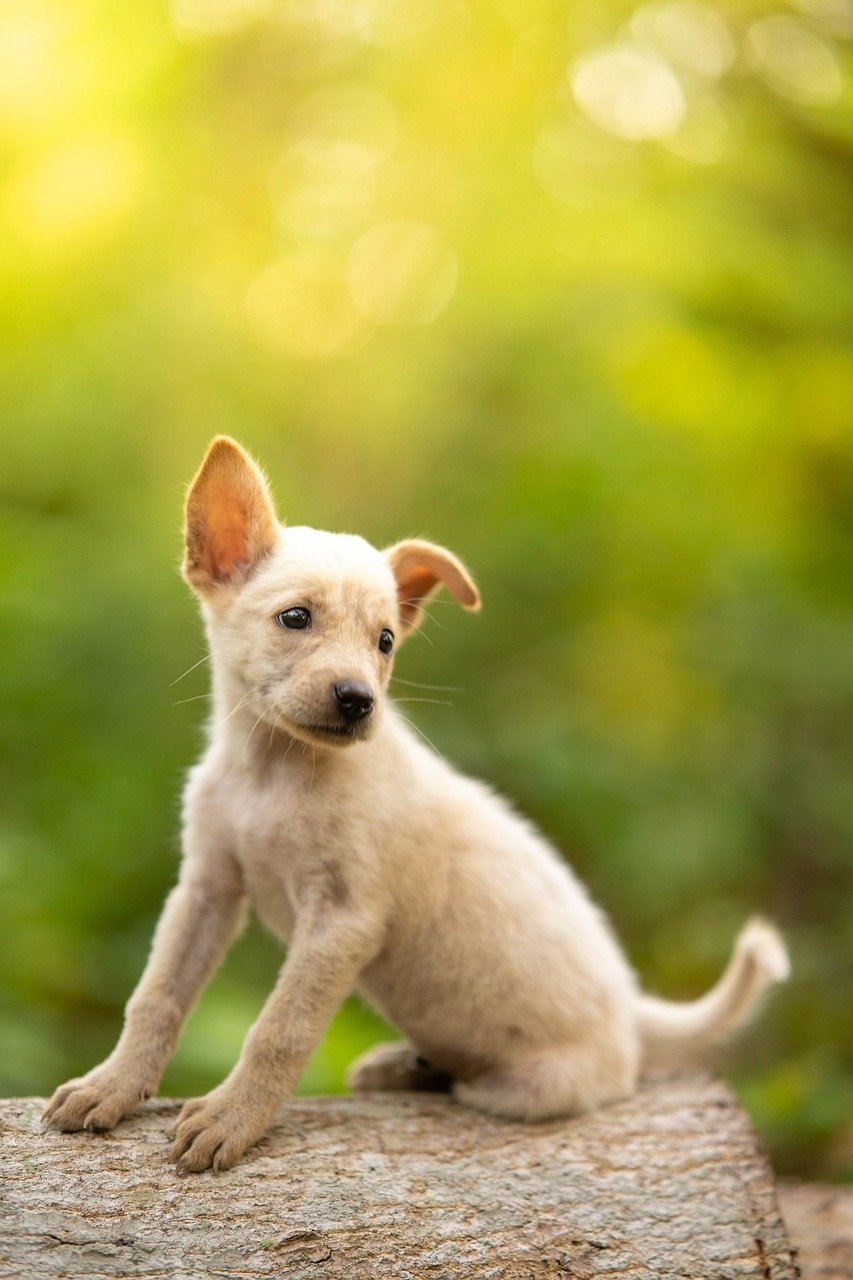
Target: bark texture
[{"x": 669, "y": 1184}]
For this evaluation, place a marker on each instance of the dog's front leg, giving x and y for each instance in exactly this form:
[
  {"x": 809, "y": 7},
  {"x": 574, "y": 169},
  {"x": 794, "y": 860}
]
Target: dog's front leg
[
  {"x": 328, "y": 950},
  {"x": 199, "y": 919}
]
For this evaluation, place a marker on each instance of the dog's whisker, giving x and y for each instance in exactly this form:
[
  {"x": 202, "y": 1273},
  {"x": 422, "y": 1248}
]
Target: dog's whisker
[
  {"x": 284, "y": 759},
  {"x": 436, "y": 688},
  {"x": 274, "y": 727},
  {"x": 400, "y": 749},
  {"x": 206, "y": 658},
  {"x": 436, "y": 702},
  {"x": 240, "y": 703},
  {"x": 426, "y": 614},
  {"x": 238, "y": 706},
  {"x": 222, "y": 723},
  {"x": 251, "y": 731},
  {"x": 420, "y": 731}
]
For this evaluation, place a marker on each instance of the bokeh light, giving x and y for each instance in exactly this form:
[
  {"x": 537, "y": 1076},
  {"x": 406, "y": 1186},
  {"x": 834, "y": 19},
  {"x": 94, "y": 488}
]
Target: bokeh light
[
  {"x": 629, "y": 91},
  {"x": 76, "y": 190},
  {"x": 301, "y": 308},
  {"x": 42, "y": 73},
  {"x": 216, "y": 17},
  {"x": 795, "y": 60},
  {"x": 692, "y": 34},
  {"x": 325, "y": 185},
  {"x": 401, "y": 273}
]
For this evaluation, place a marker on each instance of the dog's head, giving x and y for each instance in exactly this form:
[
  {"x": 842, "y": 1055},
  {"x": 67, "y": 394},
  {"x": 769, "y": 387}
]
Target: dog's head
[{"x": 304, "y": 623}]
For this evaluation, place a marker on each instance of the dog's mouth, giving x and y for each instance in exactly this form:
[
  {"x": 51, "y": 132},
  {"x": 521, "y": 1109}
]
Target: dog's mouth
[
  {"x": 342, "y": 734},
  {"x": 334, "y": 730}
]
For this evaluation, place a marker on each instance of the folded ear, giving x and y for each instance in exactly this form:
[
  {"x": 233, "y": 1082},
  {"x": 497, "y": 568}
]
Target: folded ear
[
  {"x": 419, "y": 569},
  {"x": 229, "y": 520}
]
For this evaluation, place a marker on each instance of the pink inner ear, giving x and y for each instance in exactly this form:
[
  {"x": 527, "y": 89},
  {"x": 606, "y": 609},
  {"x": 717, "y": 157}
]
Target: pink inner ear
[
  {"x": 417, "y": 585},
  {"x": 228, "y": 550},
  {"x": 228, "y": 535},
  {"x": 414, "y": 588}
]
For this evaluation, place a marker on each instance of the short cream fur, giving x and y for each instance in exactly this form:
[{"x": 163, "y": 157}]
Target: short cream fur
[{"x": 382, "y": 867}]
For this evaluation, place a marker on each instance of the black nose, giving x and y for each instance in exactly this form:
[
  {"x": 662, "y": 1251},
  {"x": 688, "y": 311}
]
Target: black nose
[{"x": 354, "y": 699}]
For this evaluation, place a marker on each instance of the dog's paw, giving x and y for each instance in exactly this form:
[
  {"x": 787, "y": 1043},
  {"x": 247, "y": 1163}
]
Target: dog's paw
[
  {"x": 395, "y": 1066},
  {"x": 96, "y": 1101},
  {"x": 213, "y": 1132}
]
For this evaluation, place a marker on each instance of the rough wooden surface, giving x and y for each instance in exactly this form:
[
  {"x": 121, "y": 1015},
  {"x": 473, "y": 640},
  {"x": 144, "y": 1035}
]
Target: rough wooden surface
[
  {"x": 819, "y": 1219},
  {"x": 670, "y": 1184}
]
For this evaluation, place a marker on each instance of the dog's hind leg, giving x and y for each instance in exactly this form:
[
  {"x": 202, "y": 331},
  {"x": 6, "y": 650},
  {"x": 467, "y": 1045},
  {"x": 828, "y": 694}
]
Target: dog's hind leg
[
  {"x": 395, "y": 1066},
  {"x": 550, "y": 1086}
]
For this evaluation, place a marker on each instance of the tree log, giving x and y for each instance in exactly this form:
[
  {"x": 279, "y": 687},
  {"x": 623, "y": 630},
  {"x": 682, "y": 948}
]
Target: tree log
[
  {"x": 669, "y": 1184},
  {"x": 819, "y": 1218}
]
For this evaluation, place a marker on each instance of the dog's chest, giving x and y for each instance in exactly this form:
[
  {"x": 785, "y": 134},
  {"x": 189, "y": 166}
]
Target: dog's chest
[{"x": 276, "y": 844}]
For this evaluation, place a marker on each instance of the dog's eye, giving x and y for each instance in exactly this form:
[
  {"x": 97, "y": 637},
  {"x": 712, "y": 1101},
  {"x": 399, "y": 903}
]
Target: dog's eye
[
  {"x": 296, "y": 619},
  {"x": 386, "y": 640}
]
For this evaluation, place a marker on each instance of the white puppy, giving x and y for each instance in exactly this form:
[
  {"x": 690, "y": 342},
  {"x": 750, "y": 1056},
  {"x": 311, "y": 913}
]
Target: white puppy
[{"x": 381, "y": 866}]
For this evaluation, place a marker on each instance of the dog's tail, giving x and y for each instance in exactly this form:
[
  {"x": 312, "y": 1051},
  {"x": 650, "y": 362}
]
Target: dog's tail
[{"x": 669, "y": 1029}]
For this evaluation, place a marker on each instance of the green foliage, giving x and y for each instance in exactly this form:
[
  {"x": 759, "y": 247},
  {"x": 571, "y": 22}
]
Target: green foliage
[{"x": 562, "y": 288}]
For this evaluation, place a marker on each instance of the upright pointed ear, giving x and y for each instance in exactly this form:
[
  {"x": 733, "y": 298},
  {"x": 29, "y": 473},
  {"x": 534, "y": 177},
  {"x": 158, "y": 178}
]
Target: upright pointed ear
[
  {"x": 229, "y": 520},
  {"x": 419, "y": 569}
]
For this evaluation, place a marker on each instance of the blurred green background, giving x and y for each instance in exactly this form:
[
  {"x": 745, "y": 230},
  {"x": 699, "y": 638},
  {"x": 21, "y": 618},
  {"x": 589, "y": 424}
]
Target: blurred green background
[{"x": 566, "y": 287}]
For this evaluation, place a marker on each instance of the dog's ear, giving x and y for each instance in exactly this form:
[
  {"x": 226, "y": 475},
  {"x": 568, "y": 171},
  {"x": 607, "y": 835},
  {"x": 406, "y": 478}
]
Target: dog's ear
[
  {"x": 421, "y": 567},
  {"x": 229, "y": 519}
]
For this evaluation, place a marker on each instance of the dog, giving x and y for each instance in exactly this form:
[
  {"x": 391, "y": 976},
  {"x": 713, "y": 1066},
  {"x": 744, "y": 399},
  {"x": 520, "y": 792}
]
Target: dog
[{"x": 382, "y": 867}]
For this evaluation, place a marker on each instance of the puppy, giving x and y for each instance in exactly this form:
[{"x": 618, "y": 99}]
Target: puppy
[{"x": 382, "y": 867}]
